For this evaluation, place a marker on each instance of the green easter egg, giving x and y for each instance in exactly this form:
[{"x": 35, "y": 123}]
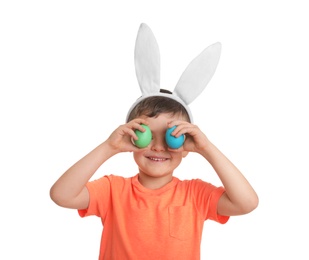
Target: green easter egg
[{"x": 144, "y": 138}]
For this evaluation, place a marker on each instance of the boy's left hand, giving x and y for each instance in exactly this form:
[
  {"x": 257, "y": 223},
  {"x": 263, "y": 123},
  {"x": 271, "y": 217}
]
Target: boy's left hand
[{"x": 196, "y": 140}]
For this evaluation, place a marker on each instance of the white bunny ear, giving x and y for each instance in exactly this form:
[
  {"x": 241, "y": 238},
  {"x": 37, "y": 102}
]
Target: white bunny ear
[
  {"x": 198, "y": 73},
  {"x": 147, "y": 61}
]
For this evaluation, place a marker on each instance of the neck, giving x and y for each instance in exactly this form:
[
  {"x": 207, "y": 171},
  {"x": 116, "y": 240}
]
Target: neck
[{"x": 154, "y": 183}]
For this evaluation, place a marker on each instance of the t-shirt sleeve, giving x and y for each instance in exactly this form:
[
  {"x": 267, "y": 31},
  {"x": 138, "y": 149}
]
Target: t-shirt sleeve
[
  {"x": 99, "y": 197},
  {"x": 213, "y": 206},
  {"x": 207, "y": 197}
]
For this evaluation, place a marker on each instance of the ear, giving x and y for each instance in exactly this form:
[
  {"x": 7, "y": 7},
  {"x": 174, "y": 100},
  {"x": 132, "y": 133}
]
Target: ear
[
  {"x": 147, "y": 61},
  {"x": 184, "y": 154},
  {"x": 198, "y": 73}
]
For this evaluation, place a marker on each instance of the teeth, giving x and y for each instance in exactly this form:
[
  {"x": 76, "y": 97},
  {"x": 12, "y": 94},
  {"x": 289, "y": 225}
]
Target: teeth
[{"x": 157, "y": 159}]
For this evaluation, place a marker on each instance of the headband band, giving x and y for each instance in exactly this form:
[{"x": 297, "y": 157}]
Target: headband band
[{"x": 171, "y": 96}]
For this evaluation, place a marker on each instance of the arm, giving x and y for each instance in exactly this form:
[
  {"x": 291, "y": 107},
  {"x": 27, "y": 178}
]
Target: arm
[
  {"x": 70, "y": 189},
  {"x": 239, "y": 198}
]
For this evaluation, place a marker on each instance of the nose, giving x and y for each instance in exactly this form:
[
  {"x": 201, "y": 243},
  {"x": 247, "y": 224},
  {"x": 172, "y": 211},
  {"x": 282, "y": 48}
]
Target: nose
[{"x": 158, "y": 144}]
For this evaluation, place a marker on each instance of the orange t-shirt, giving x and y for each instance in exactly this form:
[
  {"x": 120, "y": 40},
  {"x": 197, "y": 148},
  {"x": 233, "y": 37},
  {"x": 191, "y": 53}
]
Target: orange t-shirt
[{"x": 140, "y": 223}]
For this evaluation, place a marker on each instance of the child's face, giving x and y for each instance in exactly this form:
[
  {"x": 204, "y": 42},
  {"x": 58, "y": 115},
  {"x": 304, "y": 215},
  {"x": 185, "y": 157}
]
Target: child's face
[{"x": 157, "y": 160}]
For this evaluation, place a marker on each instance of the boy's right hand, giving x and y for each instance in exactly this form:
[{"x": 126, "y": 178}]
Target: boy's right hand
[{"x": 120, "y": 139}]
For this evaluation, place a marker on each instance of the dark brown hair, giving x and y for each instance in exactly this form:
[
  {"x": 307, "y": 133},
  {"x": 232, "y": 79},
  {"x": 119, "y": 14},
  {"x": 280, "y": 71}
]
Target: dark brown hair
[{"x": 155, "y": 105}]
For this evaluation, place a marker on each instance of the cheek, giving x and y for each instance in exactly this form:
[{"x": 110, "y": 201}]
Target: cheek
[
  {"x": 138, "y": 157},
  {"x": 177, "y": 158}
]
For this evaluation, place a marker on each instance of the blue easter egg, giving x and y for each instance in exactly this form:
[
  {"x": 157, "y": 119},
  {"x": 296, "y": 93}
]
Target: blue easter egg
[{"x": 172, "y": 141}]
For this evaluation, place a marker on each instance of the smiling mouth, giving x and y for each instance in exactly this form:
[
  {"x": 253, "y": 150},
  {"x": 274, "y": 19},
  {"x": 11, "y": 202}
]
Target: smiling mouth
[{"x": 156, "y": 159}]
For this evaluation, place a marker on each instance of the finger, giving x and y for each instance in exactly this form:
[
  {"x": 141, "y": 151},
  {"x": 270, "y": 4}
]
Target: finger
[
  {"x": 129, "y": 132},
  {"x": 139, "y": 121},
  {"x": 138, "y": 127},
  {"x": 182, "y": 129}
]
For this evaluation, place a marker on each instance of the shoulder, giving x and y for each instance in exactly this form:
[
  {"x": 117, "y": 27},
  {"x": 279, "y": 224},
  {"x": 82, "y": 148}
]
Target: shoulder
[
  {"x": 200, "y": 187},
  {"x": 112, "y": 180},
  {"x": 195, "y": 183}
]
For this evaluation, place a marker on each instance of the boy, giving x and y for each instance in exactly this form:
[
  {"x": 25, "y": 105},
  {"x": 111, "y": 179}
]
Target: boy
[{"x": 154, "y": 215}]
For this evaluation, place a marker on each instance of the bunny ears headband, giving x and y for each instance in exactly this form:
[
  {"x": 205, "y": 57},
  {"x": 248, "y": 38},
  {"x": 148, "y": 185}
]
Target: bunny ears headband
[{"x": 192, "y": 81}]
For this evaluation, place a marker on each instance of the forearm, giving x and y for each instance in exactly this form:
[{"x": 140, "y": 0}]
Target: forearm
[
  {"x": 241, "y": 197},
  {"x": 74, "y": 180}
]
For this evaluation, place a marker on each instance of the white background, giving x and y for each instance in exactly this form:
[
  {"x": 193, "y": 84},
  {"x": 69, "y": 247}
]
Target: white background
[{"x": 67, "y": 79}]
